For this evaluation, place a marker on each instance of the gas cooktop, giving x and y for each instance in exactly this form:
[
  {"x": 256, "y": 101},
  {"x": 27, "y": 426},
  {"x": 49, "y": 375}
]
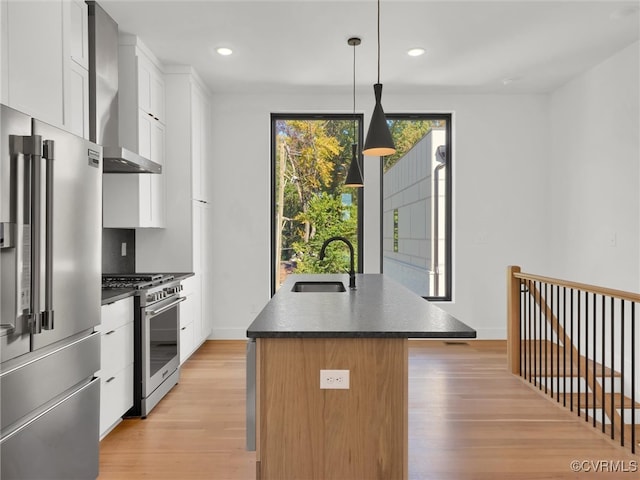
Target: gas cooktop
[{"x": 137, "y": 281}]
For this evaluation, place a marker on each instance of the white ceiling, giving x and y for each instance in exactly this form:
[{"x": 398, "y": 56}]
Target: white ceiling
[{"x": 300, "y": 45}]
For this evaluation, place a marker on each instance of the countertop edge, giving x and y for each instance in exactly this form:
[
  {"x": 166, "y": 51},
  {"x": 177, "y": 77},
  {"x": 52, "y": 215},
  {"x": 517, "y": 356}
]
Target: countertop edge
[{"x": 346, "y": 334}]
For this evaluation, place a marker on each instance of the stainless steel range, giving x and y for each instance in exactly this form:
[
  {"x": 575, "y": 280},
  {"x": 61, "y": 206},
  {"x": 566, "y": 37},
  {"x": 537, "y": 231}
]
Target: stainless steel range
[{"x": 156, "y": 336}]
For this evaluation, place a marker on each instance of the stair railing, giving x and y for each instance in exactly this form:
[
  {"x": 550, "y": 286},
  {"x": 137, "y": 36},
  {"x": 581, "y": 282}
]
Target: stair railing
[{"x": 573, "y": 341}]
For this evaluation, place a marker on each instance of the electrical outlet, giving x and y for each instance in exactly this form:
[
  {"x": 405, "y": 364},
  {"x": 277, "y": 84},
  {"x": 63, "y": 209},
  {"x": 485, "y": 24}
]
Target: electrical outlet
[
  {"x": 334, "y": 379},
  {"x": 123, "y": 249}
]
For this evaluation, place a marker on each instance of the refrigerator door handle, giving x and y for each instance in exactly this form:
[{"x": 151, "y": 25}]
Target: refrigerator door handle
[
  {"x": 24, "y": 152},
  {"x": 33, "y": 148},
  {"x": 47, "y": 314}
]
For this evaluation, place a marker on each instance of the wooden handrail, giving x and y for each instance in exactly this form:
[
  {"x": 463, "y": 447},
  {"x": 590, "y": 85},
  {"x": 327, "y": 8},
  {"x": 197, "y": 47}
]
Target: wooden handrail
[
  {"x": 515, "y": 281},
  {"x": 609, "y": 292}
]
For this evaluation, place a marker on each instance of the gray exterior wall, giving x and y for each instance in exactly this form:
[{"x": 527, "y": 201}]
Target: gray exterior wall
[{"x": 408, "y": 187}]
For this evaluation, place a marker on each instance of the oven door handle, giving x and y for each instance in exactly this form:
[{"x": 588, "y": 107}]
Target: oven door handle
[{"x": 153, "y": 313}]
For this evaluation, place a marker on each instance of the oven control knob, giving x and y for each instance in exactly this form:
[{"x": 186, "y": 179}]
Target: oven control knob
[
  {"x": 172, "y": 290},
  {"x": 155, "y": 296}
]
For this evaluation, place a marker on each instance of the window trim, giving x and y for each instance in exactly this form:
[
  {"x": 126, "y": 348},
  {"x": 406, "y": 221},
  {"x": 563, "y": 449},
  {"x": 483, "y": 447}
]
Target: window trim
[
  {"x": 447, "y": 297},
  {"x": 359, "y": 117}
]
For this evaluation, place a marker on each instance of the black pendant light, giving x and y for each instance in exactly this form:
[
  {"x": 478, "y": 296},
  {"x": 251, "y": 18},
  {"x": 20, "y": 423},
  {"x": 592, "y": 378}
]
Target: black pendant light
[
  {"x": 354, "y": 175},
  {"x": 379, "y": 141}
]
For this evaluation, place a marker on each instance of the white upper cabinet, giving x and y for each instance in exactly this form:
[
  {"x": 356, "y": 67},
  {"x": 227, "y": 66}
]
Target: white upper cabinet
[
  {"x": 151, "y": 90},
  {"x": 79, "y": 30},
  {"x": 77, "y": 100},
  {"x": 34, "y": 44},
  {"x": 45, "y": 60},
  {"x": 138, "y": 200},
  {"x": 200, "y": 135}
]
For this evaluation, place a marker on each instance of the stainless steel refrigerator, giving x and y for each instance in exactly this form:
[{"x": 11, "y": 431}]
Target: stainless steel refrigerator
[{"x": 50, "y": 276}]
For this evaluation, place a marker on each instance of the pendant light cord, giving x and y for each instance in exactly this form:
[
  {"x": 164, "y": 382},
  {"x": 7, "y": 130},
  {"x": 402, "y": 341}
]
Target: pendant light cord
[
  {"x": 354, "y": 92},
  {"x": 378, "y": 41}
]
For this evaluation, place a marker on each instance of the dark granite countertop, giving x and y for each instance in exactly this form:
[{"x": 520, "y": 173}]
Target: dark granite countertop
[
  {"x": 111, "y": 295},
  {"x": 379, "y": 307}
]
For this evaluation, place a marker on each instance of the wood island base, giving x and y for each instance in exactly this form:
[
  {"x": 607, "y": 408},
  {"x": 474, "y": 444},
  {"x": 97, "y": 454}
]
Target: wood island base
[{"x": 304, "y": 432}]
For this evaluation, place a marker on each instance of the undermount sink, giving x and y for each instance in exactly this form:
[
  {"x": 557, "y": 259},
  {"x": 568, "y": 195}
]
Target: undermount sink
[{"x": 318, "y": 287}]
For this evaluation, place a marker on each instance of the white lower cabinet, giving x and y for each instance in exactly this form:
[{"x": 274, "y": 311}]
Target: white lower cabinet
[
  {"x": 116, "y": 363},
  {"x": 116, "y": 397},
  {"x": 191, "y": 336},
  {"x": 186, "y": 329}
]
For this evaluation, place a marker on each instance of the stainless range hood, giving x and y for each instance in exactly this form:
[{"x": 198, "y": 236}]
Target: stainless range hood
[{"x": 103, "y": 96}]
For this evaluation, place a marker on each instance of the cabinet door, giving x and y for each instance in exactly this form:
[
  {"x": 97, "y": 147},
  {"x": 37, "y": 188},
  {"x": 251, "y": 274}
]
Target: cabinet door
[
  {"x": 199, "y": 143},
  {"x": 121, "y": 200},
  {"x": 187, "y": 314},
  {"x": 157, "y": 142},
  {"x": 144, "y": 84},
  {"x": 145, "y": 132},
  {"x": 116, "y": 397},
  {"x": 157, "y": 184},
  {"x": 116, "y": 350},
  {"x": 205, "y": 136},
  {"x": 198, "y": 209},
  {"x": 77, "y": 111},
  {"x": 79, "y": 31},
  {"x": 116, "y": 314},
  {"x": 35, "y": 61},
  {"x": 157, "y": 201},
  {"x": 157, "y": 96},
  {"x": 145, "y": 199},
  {"x": 196, "y": 144},
  {"x": 150, "y": 88},
  {"x": 204, "y": 241}
]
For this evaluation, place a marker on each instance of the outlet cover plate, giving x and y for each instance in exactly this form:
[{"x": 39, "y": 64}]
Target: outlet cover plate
[{"x": 334, "y": 379}]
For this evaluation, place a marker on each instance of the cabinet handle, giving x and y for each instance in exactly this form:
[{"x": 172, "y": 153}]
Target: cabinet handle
[
  {"x": 157, "y": 118},
  {"x": 109, "y": 333},
  {"x": 183, "y": 328},
  {"x": 110, "y": 379},
  {"x": 150, "y": 114}
]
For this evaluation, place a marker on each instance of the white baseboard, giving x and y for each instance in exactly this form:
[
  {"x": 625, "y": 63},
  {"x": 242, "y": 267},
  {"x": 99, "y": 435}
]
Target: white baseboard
[
  {"x": 491, "y": 333},
  {"x": 228, "y": 334}
]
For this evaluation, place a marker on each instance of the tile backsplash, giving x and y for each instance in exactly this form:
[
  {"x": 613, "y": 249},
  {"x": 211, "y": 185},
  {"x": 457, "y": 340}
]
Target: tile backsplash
[{"x": 118, "y": 250}]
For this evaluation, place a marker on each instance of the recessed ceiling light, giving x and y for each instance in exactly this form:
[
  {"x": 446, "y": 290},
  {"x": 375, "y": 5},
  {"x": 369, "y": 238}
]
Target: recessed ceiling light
[
  {"x": 415, "y": 52},
  {"x": 224, "y": 51},
  {"x": 510, "y": 80}
]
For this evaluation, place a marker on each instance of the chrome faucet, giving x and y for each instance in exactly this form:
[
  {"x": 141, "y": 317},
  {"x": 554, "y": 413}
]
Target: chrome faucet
[{"x": 352, "y": 272}]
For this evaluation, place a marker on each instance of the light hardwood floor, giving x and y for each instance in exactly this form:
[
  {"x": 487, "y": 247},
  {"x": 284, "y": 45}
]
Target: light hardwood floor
[{"x": 469, "y": 419}]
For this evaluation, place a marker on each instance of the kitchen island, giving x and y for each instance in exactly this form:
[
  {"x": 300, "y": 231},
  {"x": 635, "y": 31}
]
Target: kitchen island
[{"x": 305, "y": 431}]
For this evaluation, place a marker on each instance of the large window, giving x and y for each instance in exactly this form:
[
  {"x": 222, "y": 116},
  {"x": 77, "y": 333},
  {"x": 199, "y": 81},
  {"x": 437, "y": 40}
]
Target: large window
[
  {"x": 310, "y": 159},
  {"x": 416, "y": 204}
]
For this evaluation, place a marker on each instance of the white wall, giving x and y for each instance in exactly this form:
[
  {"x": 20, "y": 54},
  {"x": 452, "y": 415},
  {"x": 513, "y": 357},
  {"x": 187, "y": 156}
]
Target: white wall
[
  {"x": 594, "y": 175},
  {"x": 499, "y": 171},
  {"x": 595, "y": 152}
]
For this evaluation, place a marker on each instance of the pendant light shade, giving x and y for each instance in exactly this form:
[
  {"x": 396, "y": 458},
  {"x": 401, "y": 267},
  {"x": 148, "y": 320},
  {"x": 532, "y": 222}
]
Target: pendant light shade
[
  {"x": 379, "y": 141},
  {"x": 354, "y": 175}
]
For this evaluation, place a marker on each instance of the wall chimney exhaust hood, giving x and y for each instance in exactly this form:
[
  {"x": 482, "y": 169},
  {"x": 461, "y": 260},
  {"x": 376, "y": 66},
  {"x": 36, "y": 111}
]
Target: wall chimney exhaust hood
[{"x": 103, "y": 97}]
